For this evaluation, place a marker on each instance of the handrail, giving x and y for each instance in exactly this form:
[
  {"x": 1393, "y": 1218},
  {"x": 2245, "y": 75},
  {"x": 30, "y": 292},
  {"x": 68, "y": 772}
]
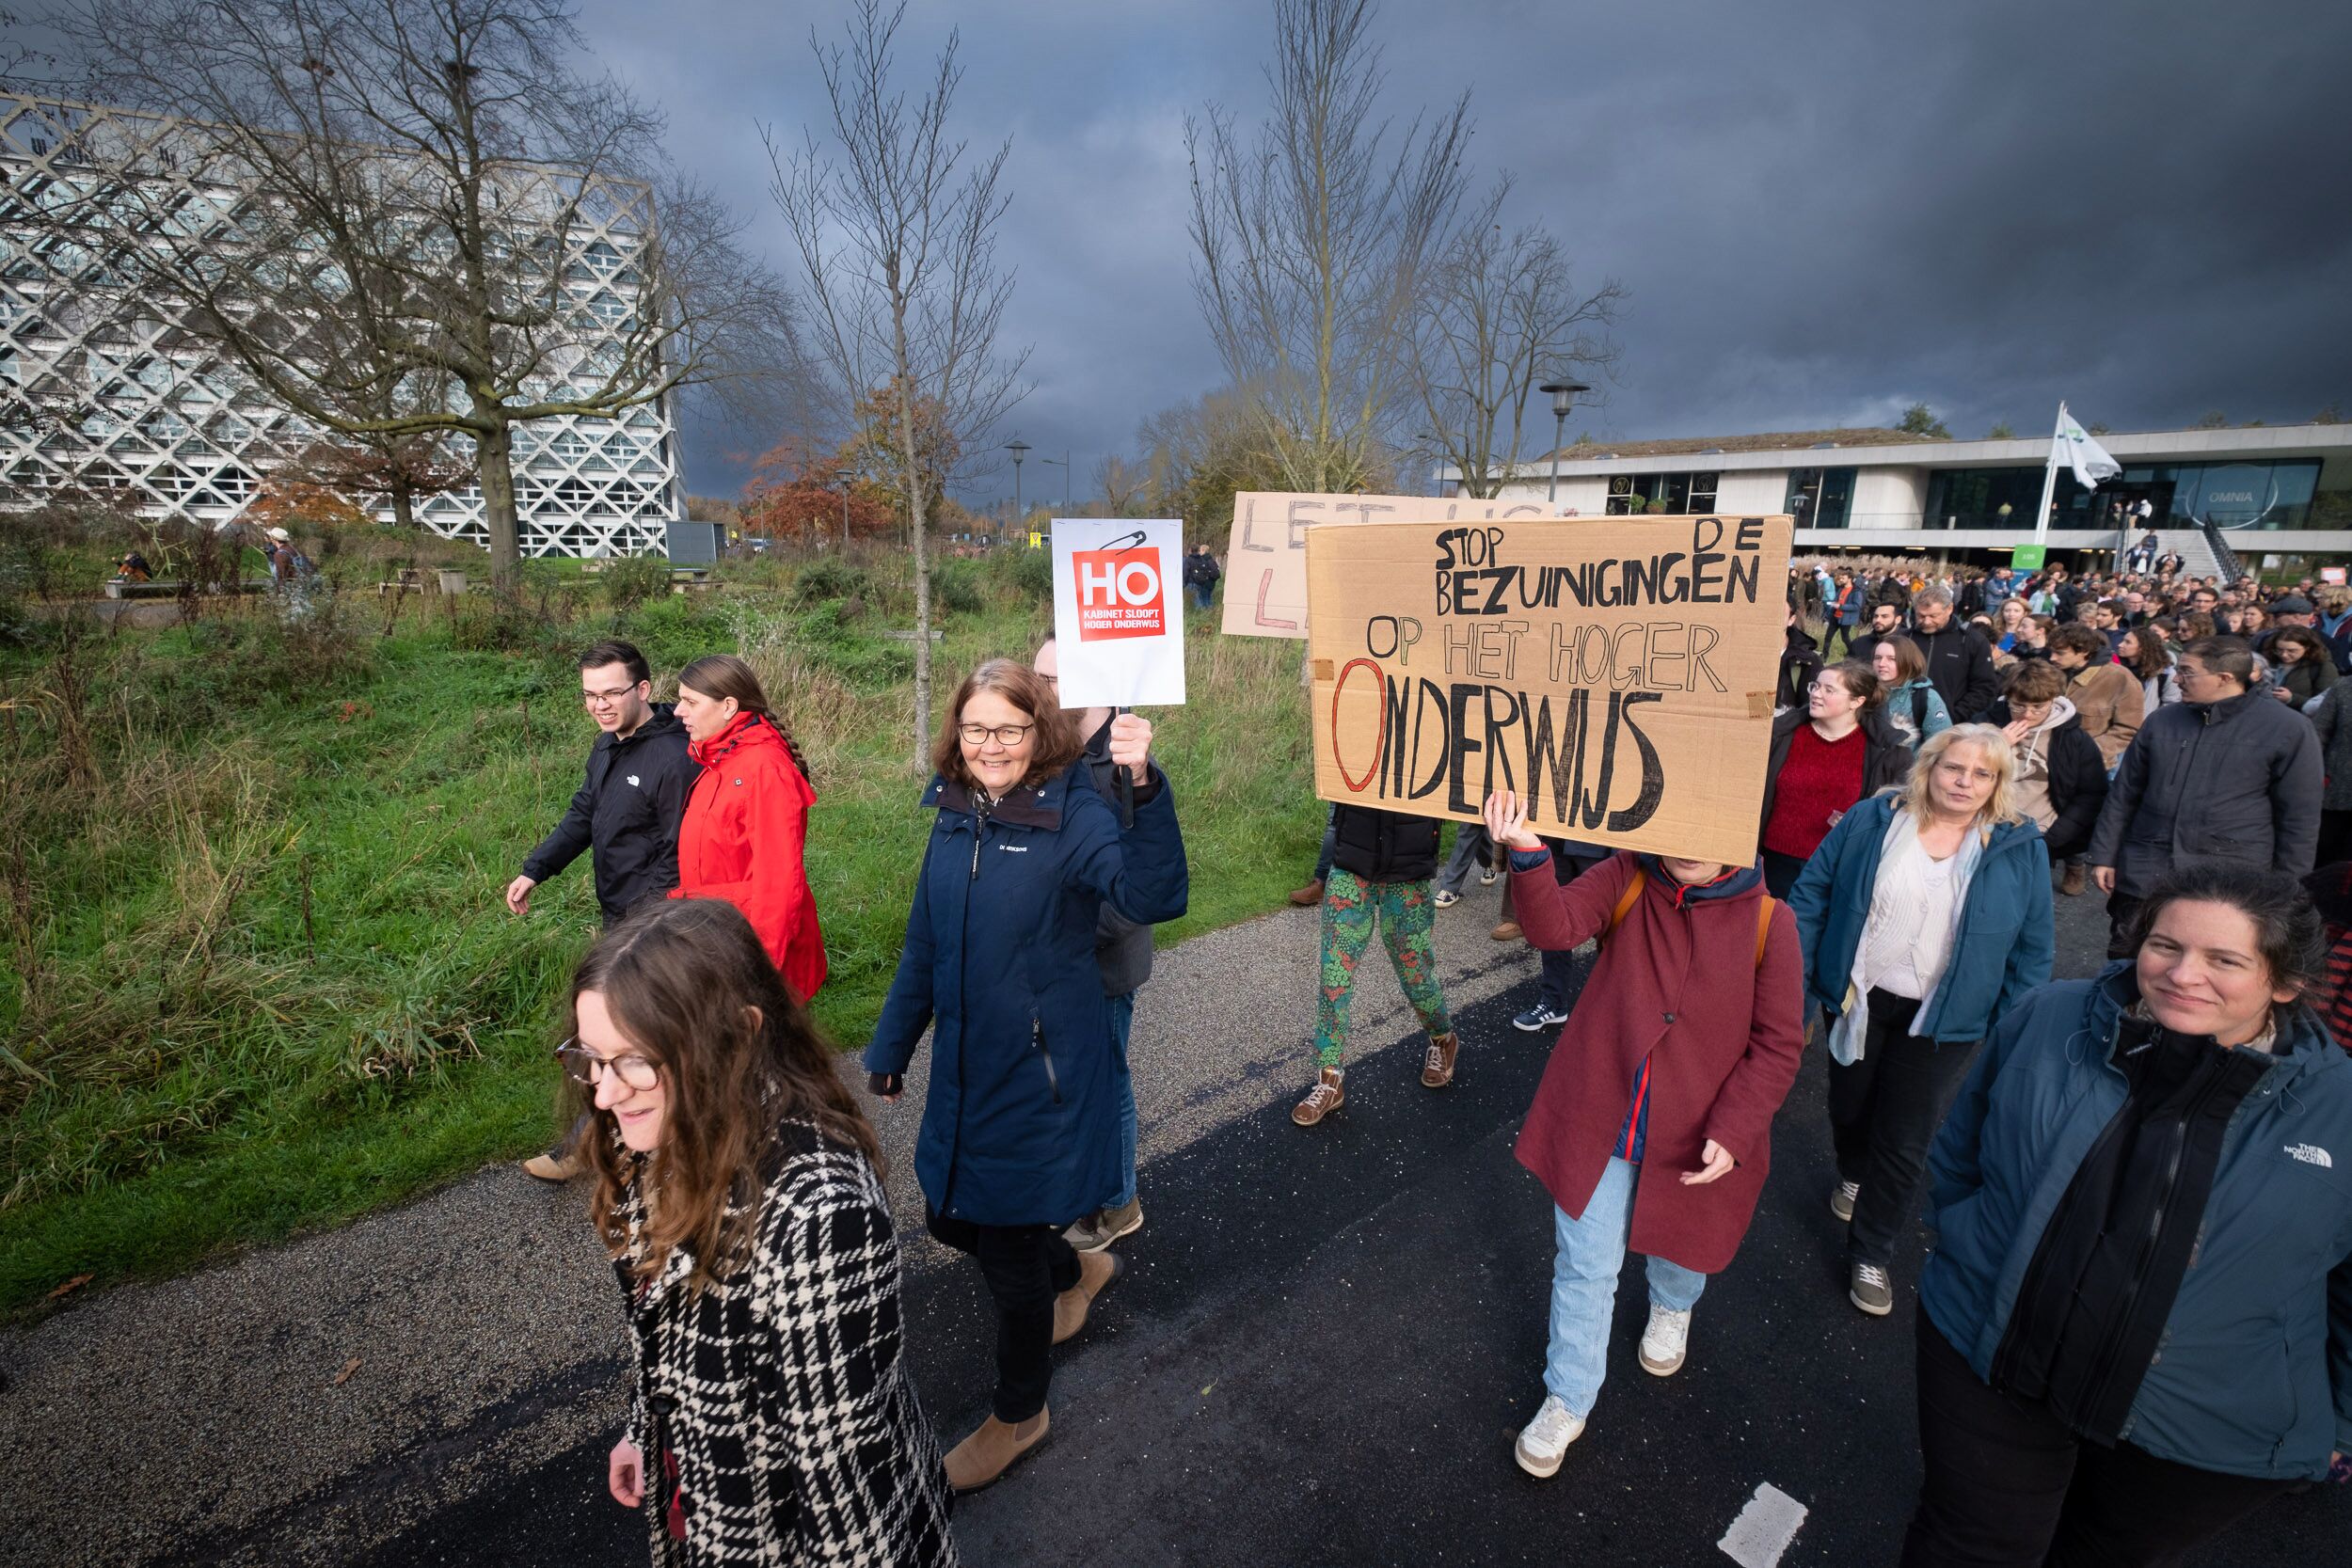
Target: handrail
[{"x": 2224, "y": 557}]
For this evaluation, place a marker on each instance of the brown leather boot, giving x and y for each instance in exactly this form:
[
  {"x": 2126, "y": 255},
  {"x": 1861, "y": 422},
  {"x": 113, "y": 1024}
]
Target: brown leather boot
[
  {"x": 1307, "y": 896},
  {"x": 2073, "y": 885},
  {"x": 1507, "y": 930},
  {"x": 1325, "y": 1098},
  {"x": 1436, "y": 1069},
  {"x": 1096, "y": 1270},
  {"x": 991, "y": 1450}
]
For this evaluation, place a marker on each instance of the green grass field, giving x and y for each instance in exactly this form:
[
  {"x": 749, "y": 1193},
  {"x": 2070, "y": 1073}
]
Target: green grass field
[{"x": 260, "y": 975}]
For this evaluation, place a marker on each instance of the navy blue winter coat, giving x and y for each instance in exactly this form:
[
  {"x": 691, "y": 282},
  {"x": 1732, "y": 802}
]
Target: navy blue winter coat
[
  {"x": 2254, "y": 1376},
  {"x": 1022, "y": 1124},
  {"x": 2005, "y": 936}
]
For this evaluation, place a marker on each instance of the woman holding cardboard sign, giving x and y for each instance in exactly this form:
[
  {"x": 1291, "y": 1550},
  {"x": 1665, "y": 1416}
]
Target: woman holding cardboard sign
[{"x": 1671, "y": 1067}]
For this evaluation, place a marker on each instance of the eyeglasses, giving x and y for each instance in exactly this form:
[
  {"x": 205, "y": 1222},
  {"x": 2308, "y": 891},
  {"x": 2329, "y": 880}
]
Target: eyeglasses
[
  {"x": 582, "y": 1066},
  {"x": 606, "y": 699},
  {"x": 1828, "y": 688},
  {"x": 1005, "y": 735}
]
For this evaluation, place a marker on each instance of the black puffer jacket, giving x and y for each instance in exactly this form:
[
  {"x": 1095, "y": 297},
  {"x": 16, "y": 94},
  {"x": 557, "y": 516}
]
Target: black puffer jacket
[
  {"x": 627, "y": 809},
  {"x": 2078, "y": 782},
  {"x": 1384, "y": 845}
]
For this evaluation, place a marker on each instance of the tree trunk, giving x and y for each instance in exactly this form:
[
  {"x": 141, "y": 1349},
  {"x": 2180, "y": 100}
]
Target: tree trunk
[
  {"x": 405, "y": 506},
  {"x": 494, "y": 452},
  {"x": 922, "y": 592}
]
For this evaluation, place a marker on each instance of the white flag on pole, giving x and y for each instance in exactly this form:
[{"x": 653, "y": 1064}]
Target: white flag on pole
[{"x": 2088, "y": 459}]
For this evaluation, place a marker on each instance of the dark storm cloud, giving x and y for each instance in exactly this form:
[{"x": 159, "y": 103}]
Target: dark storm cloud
[{"x": 1824, "y": 212}]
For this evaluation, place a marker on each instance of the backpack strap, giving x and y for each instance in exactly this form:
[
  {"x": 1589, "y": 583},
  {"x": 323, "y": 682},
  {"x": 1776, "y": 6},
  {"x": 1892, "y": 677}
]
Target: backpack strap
[
  {"x": 1919, "y": 711},
  {"x": 1763, "y": 927},
  {"x": 1626, "y": 900}
]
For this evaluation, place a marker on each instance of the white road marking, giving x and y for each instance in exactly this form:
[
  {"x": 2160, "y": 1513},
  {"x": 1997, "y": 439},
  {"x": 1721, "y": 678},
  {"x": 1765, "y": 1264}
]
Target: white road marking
[{"x": 1764, "y": 1528}]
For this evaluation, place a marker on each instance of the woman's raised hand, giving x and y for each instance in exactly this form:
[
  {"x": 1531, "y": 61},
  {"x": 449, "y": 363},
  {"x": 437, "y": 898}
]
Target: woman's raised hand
[{"x": 1506, "y": 821}]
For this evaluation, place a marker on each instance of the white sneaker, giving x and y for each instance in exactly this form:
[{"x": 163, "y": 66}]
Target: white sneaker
[
  {"x": 1665, "y": 1342},
  {"x": 1446, "y": 899},
  {"x": 1544, "y": 1441}
]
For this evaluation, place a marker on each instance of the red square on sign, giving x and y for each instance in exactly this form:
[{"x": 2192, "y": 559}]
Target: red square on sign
[{"x": 1119, "y": 594}]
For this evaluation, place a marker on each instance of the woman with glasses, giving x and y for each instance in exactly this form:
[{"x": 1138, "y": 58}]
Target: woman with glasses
[
  {"x": 1825, "y": 756},
  {"x": 1924, "y": 917},
  {"x": 746, "y": 822},
  {"x": 1021, "y": 1124},
  {"x": 771, "y": 1416}
]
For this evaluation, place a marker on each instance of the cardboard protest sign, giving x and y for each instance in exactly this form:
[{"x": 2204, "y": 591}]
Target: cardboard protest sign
[
  {"x": 1265, "y": 560},
  {"x": 1618, "y": 673},
  {"x": 1118, "y": 612}
]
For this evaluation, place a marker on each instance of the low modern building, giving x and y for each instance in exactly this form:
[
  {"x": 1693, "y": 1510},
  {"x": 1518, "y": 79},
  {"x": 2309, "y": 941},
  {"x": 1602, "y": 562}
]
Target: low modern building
[
  {"x": 2284, "y": 489},
  {"x": 149, "y": 408}
]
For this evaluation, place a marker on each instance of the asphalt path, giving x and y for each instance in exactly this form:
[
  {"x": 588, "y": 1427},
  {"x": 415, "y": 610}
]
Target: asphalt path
[{"x": 1327, "y": 1338}]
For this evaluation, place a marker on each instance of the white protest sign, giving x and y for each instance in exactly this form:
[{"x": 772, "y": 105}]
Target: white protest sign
[{"x": 1118, "y": 612}]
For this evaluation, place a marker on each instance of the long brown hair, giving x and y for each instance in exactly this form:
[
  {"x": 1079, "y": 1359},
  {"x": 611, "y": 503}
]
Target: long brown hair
[
  {"x": 1056, "y": 743},
  {"x": 720, "y": 676},
  {"x": 680, "y": 979}
]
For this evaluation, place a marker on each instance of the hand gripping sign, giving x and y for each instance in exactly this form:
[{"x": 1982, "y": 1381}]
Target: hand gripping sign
[
  {"x": 1617, "y": 675},
  {"x": 1118, "y": 612}
]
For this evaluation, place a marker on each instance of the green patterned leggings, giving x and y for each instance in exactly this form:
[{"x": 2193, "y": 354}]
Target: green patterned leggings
[{"x": 1405, "y": 913}]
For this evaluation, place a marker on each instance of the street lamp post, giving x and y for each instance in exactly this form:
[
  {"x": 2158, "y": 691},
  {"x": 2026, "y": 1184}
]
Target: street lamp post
[
  {"x": 1020, "y": 449},
  {"x": 1063, "y": 463},
  {"x": 1563, "y": 398}
]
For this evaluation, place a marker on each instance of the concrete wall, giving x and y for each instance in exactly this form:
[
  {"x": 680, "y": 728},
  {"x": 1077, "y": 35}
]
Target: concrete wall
[
  {"x": 1888, "y": 497},
  {"x": 1753, "y": 492}
]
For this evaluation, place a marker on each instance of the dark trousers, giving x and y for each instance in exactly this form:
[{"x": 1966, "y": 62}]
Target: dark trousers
[
  {"x": 1560, "y": 968},
  {"x": 1025, "y": 1266},
  {"x": 1330, "y": 844},
  {"x": 2335, "y": 837},
  {"x": 1883, "y": 1111},
  {"x": 1781, "y": 873},
  {"x": 2122, "y": 914},
  {"x": 2006, "y": 1485}
]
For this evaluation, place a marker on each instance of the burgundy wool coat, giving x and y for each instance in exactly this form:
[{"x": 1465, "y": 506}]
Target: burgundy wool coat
[{"x": 1677, "y": 983}]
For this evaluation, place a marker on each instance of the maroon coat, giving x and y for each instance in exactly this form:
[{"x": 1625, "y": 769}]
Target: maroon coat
[{"x": 1677, "y": 984}]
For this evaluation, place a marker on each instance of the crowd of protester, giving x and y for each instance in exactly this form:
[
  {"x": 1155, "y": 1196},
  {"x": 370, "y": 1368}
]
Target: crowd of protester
[{"x": 2133, "y": 1328}]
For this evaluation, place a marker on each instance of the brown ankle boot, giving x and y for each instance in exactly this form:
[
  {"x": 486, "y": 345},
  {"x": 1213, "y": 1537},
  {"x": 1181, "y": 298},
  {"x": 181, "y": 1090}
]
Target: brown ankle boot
[
  {"x": 1327, "y": 1096},
  {"x": 1436, "y": 1069},
  {"x": 990, "y": 1452},
  {"x": 1307, "y": 896},
  {"x": 2072, "y": 885},
  {"x": 1096, "y": 1270}
]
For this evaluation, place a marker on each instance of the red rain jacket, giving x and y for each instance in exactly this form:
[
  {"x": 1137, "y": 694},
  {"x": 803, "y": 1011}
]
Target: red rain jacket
[
  {"x": 1677, "y": 984},
  {"x": 740, "y": 839}
]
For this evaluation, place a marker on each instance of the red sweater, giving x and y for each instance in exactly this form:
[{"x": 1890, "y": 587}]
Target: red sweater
[
  {"x": 740, "y": 839},
  {"x": 1820, "y": 777}
]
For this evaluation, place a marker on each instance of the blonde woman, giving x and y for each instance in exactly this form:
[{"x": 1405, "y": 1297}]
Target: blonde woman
[{"x": 1923, "y": 916}]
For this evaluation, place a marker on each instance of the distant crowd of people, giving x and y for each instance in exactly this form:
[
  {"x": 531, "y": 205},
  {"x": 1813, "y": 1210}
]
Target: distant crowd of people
[{"x": 2134, "y": 1326}]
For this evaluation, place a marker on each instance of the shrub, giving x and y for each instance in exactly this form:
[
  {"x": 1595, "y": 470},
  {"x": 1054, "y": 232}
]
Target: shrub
[
  {"x": 1025, "y": 576},
  {"x": 955, "y": 588},
  {"x": 632, "y": 579},
  {"x": 831, "y": 579}
]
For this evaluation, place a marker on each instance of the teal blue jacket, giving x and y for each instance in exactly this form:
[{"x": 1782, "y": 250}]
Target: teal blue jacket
[
  {"x": 2254, "y": 1377},
  {"x": 2006, "y": 935}
]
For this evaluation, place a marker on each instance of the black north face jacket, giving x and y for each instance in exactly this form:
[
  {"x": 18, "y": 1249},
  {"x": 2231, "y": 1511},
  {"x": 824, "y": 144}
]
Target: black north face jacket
[{"x": 627, "y": 810}]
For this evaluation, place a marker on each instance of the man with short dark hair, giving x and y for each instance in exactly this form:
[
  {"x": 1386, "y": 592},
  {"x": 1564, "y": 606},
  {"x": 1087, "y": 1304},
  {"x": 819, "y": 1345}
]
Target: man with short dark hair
[
  {"x": 1885, "y": 621},
  {"x": 625, "y": 813},
  {"x": 2225, "y": 774},
  {"x": 1960, "y": 661}
]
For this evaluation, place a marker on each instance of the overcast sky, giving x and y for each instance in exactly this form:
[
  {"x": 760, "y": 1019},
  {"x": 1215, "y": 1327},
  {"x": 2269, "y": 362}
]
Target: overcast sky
[{"x": 1821, "y": 211}]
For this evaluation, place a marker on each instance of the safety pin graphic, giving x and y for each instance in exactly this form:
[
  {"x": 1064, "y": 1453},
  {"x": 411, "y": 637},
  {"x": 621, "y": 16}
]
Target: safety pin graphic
[{"x": 1126, "y": 542}]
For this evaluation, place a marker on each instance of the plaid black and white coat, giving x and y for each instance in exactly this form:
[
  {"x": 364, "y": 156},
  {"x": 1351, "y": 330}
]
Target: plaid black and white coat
[{"x": 782, "y": 1390}]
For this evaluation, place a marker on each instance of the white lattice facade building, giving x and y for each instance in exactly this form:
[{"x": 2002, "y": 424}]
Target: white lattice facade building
[{"x": 149, "y": 409}]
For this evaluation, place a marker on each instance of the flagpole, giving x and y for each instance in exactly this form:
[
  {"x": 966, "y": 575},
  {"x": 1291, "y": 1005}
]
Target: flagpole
[{"x": 2049, "y": 480}]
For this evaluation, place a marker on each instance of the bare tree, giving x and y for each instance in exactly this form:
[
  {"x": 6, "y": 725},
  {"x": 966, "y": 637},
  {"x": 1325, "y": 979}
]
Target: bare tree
[
  {"x": 897, "y": 234},
  {"x": 1123, "y": 485},
  {"x": 349, "y": 198},
  {"x": 1502, "y": 315},
  {"x": 1315, "y": 239}
]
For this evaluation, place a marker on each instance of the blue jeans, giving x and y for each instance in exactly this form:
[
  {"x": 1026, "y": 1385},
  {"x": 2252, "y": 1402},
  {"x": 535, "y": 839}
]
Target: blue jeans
[
  {"x": 1123, "y": 1025},
  {"x": 1584, "y": 1287},
  {"x": 1198, "y": 594},
  {"x": 1330, "y": 846}
]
